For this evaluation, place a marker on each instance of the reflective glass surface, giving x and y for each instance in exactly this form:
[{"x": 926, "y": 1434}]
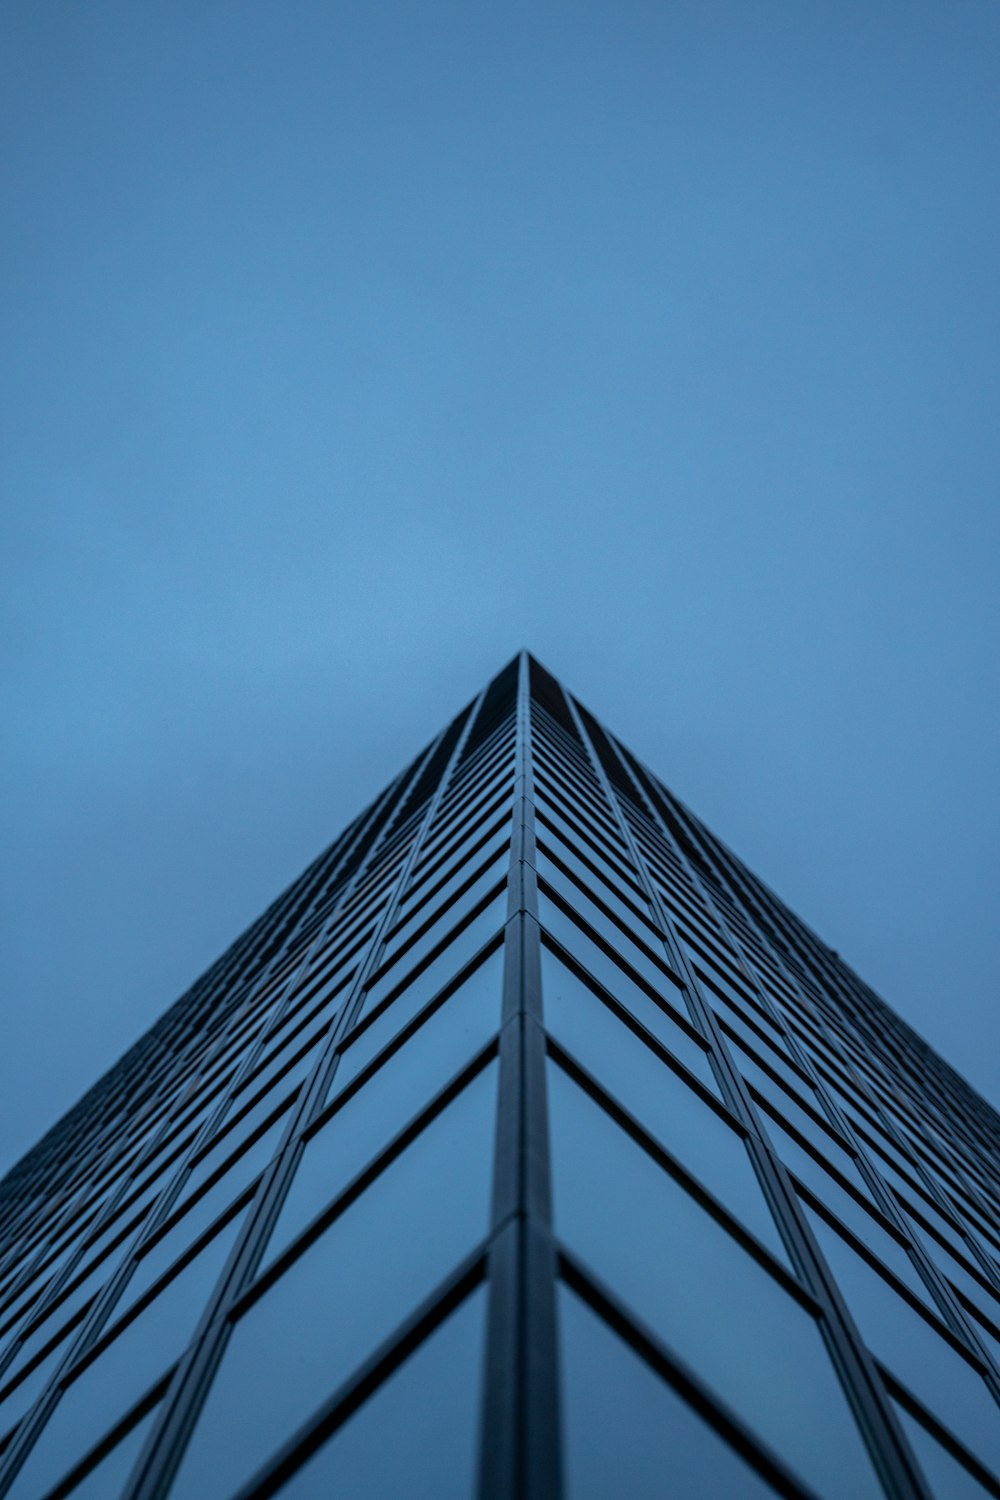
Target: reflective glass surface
[
  {"x": 106, "y": 1480},
  {"x": 23, "y": 1395},
  {"x": 627, "y": 1432},
  {"x": 568, "y": 1008},
  {"x": 123, "y": 1371},
  {"x": 689, "y": 1345},
  {"x": 913, "y": 1350},
  {"x": 442, "y": 916},
  {"x": 948, "y": 1479},
  {"x": 479, "y": 992},
  {"x": 429, "y": 1405},
  {"x": 427, "y": 1060},
  {"x": 659, "y": 1099},
  {"x": 458, "y": 951},
  {"x": 621, "y": 941},
  {"x": 702, "y": 1293},
  {"x": 609, "y": 974},
  {"x": 251, "y": 1160},
  {"x": 346, "y": 1293}
]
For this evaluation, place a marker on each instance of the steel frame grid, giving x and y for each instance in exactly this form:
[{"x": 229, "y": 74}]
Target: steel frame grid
[
  {"x": 520, "y": 1259},
  {"x": 747, "y": 887},
  {"x": 88, "y": 1337},
  {"x": 952, "y": 1312}
]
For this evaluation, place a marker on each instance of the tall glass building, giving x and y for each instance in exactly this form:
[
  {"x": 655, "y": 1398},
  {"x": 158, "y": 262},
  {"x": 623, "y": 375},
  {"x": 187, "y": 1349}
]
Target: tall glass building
[{"x": 527, "y": 1147}]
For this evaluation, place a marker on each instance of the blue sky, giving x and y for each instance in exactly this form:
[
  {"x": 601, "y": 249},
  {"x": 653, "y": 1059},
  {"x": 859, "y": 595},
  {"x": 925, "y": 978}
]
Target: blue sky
[{"x": 349, "y": 348}]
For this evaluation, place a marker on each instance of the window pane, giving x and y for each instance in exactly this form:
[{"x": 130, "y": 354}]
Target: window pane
[
  {"x": 878, "y": 1240},
  {"x": 106, "y": 1480},
  {"x": 593, "y": 883},
  {"x": 429, "y": 1405},
  {"x": 17, "y": 1401},
  {"x": 624, "y": 1428},
  {"x": 609, "y": 930},
  {"x": 478, "y": 994},
  {"x": 612, "y": 891},
  {"x": 618, "y": 863},
  {"x": 463, "y": 946},
  {"x": 124, "y": 1371},
  {"x": 658, "y": 1097},
  {"x": 404, "y": 1084},
  {"x": 948, "y": 1479},
  {"x": 345, "y": 1294},
  {"x": 755, "y": 1074},
  {"x": 801, "y": 1161},
  {"x": 250, "y": 1161},
  {"x": 568, "y": 1006},
  {"x": 443, "y": 914},
  {"x": 781, "y": 1103},
  {"x": 270, "y": 1065},
  {"x": 705, "y": 1296},
  {"x": 65, "y": 1313},
  {"x": 743, "y": 1019},
  {"x": 610, "y": 976},
  {"x": 158, "y": 1260},
  {"x": 475, "y": 818},
  {"x": 445, "y": 876},
  {"x": 913, "y": 1350}
]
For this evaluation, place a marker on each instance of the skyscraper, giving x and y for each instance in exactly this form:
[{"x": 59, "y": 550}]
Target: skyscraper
[{"x": 527, "y": 1146}]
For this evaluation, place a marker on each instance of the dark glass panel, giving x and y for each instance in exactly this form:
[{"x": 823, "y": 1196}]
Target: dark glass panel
[
  {"x": 750, "y": 1066},
  {"x": 567, "y": 1003},
  {"x": 447, "y": 842},
  {"x": 156, "y": 1261},
  {"x": 464, "y": 807},
  {"x": 480, "y": 991},
  {"x": 24, "y": 1395},
  {"x": 587, "y": 804},
  {"x": 659, "y": 1099},
  {"x": 617, "y": 863},
  {"x": 404, "y": 1084},
  {"x": 253, "y": 1159},
  {"x": 625, "y": 1429},
  {"x": 621, "y": 897},
  {"x": 846, "y": 1206},
  {"x": 345, "y": 1294},
  {"x": 609, "y": 974},
  {"x": 106, "y": 1480},
  {"x": 585, "y": 891},
  {"x": 306, "y": 1044},
  {"x": 123, "y": 1371},
  {"x": 448, "y": 915},
  {"x": 621, "y": 942},
  {"x": 780, "y": 1103},
  {"x": 748, "y": 1023},
  {"x": 465, "y": 944},
  {"x": 487, "y": 835},
  {"x": 63, "y": 1313},
  {"x": 948, "y": 1479},
  {"x": 912, "y": 1349},
  {"x": 702, "y": 1293},
  {"x": 957, "y": 1271},
  {"x": 429, "y": 1405},
  {"x": 441, "y": 890}
]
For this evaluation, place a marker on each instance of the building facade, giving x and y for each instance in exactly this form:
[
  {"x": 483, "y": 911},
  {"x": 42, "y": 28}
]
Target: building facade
[{"x": 526, "y": 1147}]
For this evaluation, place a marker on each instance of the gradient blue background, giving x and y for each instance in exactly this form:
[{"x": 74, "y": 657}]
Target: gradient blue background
[{"x": 348, "y": 348}]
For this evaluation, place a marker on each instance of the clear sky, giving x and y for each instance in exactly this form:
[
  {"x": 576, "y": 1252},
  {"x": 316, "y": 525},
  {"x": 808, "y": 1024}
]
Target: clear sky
[{"x": 347, "y": 348}]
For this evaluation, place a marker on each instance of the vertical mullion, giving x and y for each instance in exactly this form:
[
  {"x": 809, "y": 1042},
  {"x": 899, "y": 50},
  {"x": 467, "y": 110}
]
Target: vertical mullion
[
  {"x": 949, "y": 1307},
  {"x": 889, "y": 1449},
  {"x": 951, "y": 1310},
  {"x": 520, "y": 1455},
  {"x": 32, "y": 1425},
  {"x": 191, "y": 1380}
]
